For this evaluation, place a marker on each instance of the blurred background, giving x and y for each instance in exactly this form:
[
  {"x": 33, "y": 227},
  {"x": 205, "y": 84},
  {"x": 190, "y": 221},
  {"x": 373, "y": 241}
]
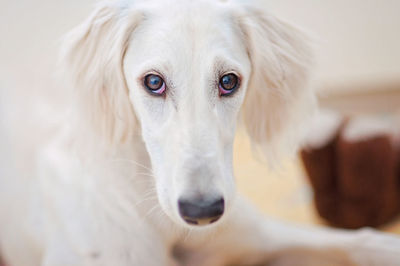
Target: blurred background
[{"x": 357, "y": 74}]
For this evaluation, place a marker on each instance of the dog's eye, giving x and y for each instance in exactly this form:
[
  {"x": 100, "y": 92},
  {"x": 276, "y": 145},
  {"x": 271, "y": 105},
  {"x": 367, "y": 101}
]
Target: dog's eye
[
  {"x": 154, "y": 84},
  {"x": 228, "y": 84}
]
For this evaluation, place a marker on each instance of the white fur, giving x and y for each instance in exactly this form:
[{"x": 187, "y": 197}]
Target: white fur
[{"x": 103, "y": 190}]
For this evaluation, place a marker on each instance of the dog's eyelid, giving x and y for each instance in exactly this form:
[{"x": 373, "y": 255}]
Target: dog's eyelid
[
  {"x": 227, "y": 72},
  {"x": 152, "y": 72}
]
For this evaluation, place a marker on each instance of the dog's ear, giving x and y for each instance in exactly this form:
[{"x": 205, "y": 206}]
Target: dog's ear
[
  {"x": 279, "y": 98},
  {"x": 93, "y": 56}
]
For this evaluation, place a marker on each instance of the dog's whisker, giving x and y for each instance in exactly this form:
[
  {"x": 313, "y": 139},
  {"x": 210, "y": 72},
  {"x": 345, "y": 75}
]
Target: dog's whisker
[
  {"x": 152, "y": 210},
  {"x": 186, "y": 235},
  {"x": 151, "y": 190},
  {"x": 146, "y": 199},
  {"x": 131, "y": 161},
  {"x": 160, "y": 218},
  {"x": 148, "y": 182},
  {"x": 146, "y": 174}
]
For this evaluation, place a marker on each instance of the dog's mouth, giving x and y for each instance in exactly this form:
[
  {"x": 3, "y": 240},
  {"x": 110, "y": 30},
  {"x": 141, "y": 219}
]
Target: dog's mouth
[{"x": 201, "y": 222}]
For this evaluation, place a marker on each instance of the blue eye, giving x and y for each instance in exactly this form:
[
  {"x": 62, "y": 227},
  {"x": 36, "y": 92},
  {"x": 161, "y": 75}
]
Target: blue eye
[
  {"x": 154, "y": 84},
  {"x": 228, "y": 84}
]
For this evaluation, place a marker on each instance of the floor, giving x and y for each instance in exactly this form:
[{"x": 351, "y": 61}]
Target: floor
[{"x": 283, "y": 193}]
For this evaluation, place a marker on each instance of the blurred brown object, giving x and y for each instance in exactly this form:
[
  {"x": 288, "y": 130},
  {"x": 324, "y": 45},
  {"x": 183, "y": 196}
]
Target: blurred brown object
[
  {"x": 353, "y": 168},
  {"x": 319, "y": 159}
]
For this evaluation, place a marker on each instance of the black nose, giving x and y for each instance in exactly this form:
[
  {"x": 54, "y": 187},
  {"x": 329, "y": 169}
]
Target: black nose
[{"x": 201, "y": 212}]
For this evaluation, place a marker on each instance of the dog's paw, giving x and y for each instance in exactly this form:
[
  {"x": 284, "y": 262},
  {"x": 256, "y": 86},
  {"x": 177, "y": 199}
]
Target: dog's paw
[{"x": 371, "y": 247}]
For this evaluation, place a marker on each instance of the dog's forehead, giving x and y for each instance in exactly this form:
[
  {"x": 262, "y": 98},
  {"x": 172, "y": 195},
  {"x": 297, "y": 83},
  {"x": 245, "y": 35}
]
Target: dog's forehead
[{"x": 189, "y": 29}]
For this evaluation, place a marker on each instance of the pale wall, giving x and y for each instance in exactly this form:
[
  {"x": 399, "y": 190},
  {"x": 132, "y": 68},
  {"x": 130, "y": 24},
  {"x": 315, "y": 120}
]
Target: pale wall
[{"x": 359, "y": 39}]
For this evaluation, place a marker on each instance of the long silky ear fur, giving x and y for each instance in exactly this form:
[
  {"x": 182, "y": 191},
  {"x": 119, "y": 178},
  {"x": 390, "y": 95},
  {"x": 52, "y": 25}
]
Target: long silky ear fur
[
  {"x": 93, "y": 56},
  {"x": 279, "y": 98}
]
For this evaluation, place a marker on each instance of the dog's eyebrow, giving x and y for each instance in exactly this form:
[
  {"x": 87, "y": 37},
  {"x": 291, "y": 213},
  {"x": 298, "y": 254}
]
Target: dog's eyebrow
[
  {"x": 155, "y": 65},
  {"x": 222, "y": 66}
]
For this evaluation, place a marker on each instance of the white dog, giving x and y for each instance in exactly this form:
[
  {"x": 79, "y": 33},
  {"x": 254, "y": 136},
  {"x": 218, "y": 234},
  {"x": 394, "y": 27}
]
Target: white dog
[{"x": 140, "y": 170}]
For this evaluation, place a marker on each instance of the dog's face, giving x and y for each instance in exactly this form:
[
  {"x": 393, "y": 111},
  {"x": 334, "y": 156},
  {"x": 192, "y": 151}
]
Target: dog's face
[
  {"x": 188, "y": 68},
  {"x": 187, "y": 71}
]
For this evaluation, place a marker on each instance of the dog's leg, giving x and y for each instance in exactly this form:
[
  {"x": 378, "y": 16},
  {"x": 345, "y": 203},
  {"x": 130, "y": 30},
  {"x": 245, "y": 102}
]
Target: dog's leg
[
  {"x": 247, "y": 238},
  {"x": 101, "y": 241},
  {"x": 142, "y": 252}
]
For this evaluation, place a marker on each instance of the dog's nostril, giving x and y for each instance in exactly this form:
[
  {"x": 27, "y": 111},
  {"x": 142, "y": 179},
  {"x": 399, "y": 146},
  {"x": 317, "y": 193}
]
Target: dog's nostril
[{"x": 201, "y": 212}]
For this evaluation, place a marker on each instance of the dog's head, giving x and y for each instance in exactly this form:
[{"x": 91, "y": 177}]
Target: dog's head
[{"x": 184, "y": 72}]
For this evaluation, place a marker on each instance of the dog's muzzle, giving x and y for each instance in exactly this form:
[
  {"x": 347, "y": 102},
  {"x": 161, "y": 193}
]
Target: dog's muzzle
[{"x": 201, "y": 212}]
